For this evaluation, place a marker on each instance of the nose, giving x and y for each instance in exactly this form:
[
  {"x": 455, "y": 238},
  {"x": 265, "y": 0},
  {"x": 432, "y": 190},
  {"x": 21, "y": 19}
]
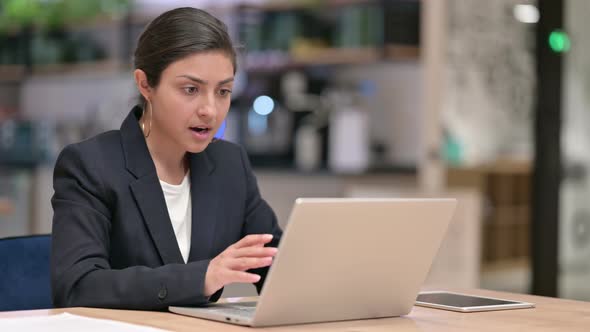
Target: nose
[{"x": 207, "y": 108}]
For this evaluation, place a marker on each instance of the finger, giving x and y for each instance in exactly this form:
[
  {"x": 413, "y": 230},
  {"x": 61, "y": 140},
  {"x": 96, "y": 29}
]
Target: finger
[
  {"x": 240, "y": 276},
  {"x": 252, "y": 240},
  {"x": 247, "y": 263},
  {"x": 255, "y": 251}
]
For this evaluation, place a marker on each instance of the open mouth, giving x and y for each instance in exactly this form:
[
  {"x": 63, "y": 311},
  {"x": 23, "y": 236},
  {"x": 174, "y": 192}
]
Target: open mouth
[{"x": 201, "y": 130}]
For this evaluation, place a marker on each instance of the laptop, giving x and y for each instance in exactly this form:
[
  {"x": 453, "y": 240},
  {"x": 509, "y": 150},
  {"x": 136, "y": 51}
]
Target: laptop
[{"x": 344, "y": 259}]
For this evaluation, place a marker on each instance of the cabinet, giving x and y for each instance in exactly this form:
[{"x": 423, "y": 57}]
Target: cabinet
[{"x": 505, "y": 187}]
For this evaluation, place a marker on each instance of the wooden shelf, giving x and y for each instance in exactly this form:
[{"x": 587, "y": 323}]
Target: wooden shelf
[
  {"x": 100, "y": 21},
  {"x": 500, "y": 166},
  {"x": 341, "y": 56},
  {"x": 17, "y": 73},
  {"x": 12, "y": 73},
  {"x": 318, "y": 57},
  {"x": 336, "y": 56},
  {"x": 506, "y": 264},
  {"x": 288, "y": 5},
  {"x": 402, "y": 52},
  {"x": 82, "y": 67}
]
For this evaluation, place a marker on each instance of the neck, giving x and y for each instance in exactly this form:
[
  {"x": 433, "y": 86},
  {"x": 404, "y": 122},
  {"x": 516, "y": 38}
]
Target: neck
[{"x": 171, "y": 161}]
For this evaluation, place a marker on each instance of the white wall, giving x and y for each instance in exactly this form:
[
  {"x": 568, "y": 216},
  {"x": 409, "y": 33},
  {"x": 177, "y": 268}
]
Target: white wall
[{"x": 77, "y": 98}]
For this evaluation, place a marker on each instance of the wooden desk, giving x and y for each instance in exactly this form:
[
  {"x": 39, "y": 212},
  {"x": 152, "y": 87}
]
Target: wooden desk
[{"x": 549, "y": 315}]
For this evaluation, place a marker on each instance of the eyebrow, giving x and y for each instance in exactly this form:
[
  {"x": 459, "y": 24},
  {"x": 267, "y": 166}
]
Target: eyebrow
[{"x": 201, "y": 81}]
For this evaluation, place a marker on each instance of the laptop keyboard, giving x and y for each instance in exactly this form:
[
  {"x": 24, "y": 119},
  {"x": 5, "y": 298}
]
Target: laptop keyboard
[{"x": 245, "y": 309}]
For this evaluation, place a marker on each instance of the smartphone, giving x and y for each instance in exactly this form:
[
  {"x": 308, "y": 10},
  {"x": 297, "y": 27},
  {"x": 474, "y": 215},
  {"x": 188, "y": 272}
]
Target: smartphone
[{"x": 467, "y": 303}]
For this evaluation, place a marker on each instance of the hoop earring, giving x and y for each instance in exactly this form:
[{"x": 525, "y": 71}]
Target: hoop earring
[{"x": 145, "y": 109}]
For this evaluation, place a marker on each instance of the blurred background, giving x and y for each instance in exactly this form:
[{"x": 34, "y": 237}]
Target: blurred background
[{"x": 485, "y": 101}]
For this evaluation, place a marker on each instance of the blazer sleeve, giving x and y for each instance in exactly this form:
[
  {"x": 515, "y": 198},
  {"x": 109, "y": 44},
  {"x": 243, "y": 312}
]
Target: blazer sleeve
[
  {"x": 80, "y": 270},
  {"x": 260, "y": 218}
]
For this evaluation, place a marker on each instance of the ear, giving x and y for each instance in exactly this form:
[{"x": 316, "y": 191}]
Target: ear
[{"x": 142, "y": 84}]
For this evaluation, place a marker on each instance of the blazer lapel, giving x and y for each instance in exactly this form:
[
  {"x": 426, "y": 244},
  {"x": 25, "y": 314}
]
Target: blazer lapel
[
  {"x": 204, "y": 195},
  {"x": 147, "y": 191}
]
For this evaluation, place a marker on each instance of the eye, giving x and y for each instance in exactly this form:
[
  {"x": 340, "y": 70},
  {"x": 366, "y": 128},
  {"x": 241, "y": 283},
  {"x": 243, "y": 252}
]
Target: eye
[
  {"x": 224, "y": 92},
  {"x": 190, "y": 90}
]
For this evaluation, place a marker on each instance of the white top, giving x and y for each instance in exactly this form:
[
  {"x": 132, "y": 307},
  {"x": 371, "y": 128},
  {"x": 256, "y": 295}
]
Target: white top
[{"x": 178, "y": 201}]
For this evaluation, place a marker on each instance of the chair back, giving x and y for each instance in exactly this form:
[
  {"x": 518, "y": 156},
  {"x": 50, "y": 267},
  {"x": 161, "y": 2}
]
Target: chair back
[{"x": 24, "y": 273}]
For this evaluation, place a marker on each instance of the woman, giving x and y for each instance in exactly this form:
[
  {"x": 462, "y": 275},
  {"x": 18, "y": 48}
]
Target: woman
[{"x": 157, "y": 213}]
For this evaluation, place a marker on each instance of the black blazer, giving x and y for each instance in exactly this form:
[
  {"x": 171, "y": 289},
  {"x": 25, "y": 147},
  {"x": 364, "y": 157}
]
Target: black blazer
[{"x": 113, "y": 243}]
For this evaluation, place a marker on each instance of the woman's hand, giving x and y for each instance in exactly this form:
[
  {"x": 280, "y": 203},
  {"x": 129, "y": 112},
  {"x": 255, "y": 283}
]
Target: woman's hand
[{"x": 230, "y": 266}]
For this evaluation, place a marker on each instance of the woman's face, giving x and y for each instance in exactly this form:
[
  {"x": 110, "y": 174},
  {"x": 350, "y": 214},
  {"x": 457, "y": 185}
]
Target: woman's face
[{"x": 191, "y": 100}]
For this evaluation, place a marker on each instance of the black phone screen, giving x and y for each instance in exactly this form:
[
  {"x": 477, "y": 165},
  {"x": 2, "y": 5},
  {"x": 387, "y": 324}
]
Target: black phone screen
[{"x": 459, "y": 300}]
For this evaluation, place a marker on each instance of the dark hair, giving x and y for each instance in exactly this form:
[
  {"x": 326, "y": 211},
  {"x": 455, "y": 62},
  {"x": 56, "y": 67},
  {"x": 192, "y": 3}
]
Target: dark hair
[{"x": 176, "y": 34}]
